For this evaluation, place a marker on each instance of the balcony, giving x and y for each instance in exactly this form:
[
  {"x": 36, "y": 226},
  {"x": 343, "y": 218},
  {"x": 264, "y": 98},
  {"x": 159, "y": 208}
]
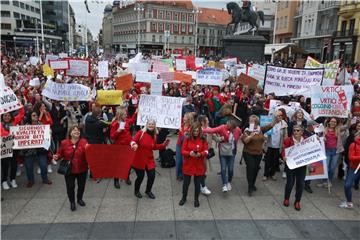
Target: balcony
[
  {"x": 346, "y": 33},
  {"x": 329, "y": 4},
  {"x": 323, "y": 32}
]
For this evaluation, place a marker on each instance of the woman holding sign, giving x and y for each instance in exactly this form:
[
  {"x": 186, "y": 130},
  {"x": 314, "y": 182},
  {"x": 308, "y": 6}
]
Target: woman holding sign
[
  {"x": 297, "y": 174},
  {"x": 144, "y": 142}
]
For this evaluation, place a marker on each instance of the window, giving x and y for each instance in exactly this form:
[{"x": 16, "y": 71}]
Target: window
[
  {"x": 18, "y": 23},
  {"x": 190, "y": 39},
  {"x": 27, "y": 7},
  {"x": 277, "y": 23},
  {"x": 175, "y": 39},
  {"x": 23, "y": 16},
  {"x": 190, "y": 29},
  {"x": 5, "y": 3},
  {"x": 183, "y": 28},
  {"x": 176, "y": 28},
  {"x": 352, "y": 26},
  {"x": 285, "y": 21},
  {"x": 27, "y": 17},
  {"x": 191, "y": 18},
  {"x": 6, "y": 26},
  {"x": 153, "y": 27},
  {"x": 183, "y": 40},
  {"x": 5, "y": 13},
  {"x": 16, "y": 15},
  {"x": 16, "y": 3},
  {"x": 183, "y": 17},
  {"x": 161, "y": 38},
  {"x": 204, "y": 31},
  {"x": 161, "y": 15},
  {"x": 204, "y": 41},
  {"x": 168, "y": 26},
  {"x": 161, "y": 27},
  {"x": 32, "y": 9},
  {"x": 22, "y": 5},
  {"x": 176, "y": 17},
  {"x": 153, "y": 38},
  {"x": 168, "y": 15}
]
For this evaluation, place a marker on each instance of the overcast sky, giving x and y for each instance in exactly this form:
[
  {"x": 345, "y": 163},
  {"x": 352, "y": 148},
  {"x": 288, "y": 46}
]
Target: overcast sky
[{"x": 96, "y": 7}]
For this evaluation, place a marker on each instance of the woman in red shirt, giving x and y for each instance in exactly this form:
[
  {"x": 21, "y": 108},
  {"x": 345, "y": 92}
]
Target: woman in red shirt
[
  {"x": 144, "y": 142},
  {"x": 43, "y": 113},
  {"x": 194, "y": 150},
  {"x": 73, "y": 149}
]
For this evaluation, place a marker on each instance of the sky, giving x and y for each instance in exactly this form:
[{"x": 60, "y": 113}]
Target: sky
[{"x": 94, "y": 19}]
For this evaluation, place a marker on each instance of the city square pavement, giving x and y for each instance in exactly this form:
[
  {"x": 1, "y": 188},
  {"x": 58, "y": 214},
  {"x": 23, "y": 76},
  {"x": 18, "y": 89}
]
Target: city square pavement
[{"x": 43, "y": 212}]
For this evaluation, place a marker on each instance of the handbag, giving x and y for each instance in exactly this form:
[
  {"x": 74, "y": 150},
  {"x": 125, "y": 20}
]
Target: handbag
[
  {"x": 65, "y": 165},
  {"x": 211, "y": 153},
  {"x": 226, "y": 149}
]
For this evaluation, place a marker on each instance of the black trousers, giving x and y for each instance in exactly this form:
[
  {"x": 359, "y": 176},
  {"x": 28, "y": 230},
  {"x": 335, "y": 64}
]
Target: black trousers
[
  {"x": 140, "y": 173},
  {"x": 70, "y": 185},
  {"x": 252, "y": 167},
  {"x": 186, "y": 183},
  {"x": 298, "y": 175},
  {"x": 271, "y": 161},
  {"x": 202, "y": 181},
  {"x": 7, "y": 163}
]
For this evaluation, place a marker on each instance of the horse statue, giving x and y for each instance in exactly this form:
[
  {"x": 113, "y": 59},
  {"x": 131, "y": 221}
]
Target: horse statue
[{"x": 238, "y": 16}]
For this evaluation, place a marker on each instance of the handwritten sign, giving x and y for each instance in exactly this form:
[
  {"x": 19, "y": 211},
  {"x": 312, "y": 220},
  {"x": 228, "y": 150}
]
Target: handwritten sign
[
  {"x": 209, "y": 76},
  {"x": 257, "y": 71},
  {"x": 66, "y": 91},
  {"x": 34, "y": 61},
  {"x": 330, "y": 72},
  {"x": 317, "y": 170},
  {"x": 331, "y": 101},
  {"x": 145, "y": 76},
  {"x": 78, "y": 68},
  {"x": 166, "y": 111},
  {"x": 103, "y": 69},
  {"x": 109, "y": 97},
  {"x": 6, "y": 146},
  {"x": 291, "y": 81},
  {"x": 199, "y": 62},
  {"x": 50, "y": 57},
  {"x": 160, "y": 67},
  {"x": 180, "y": 64},
  {"x": 59, "y": 64},
  {"x": 48, "y": 71},
  {"x": 31, "y": 136},
  {"x": 156, "y": 87},
  {"x": 8, "y": 100},
  {"x": 138, "y": 67},
  {"x": 124, "y": 82}
]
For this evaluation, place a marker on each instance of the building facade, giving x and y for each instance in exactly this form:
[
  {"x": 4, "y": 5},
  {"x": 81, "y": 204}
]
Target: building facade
[
  {"x": 107, "y": 27},
  {"x": 346, "y": 45},
  {"x": 285, "y": 12}
]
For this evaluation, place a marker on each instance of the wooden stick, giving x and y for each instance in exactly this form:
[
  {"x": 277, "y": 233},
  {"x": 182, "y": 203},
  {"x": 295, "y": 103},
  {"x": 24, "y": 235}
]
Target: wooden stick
[{"x": 357, "y": 169}]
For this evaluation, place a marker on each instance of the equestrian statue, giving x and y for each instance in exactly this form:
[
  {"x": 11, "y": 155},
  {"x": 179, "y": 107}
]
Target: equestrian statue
[{"x": 244, "y": 14}]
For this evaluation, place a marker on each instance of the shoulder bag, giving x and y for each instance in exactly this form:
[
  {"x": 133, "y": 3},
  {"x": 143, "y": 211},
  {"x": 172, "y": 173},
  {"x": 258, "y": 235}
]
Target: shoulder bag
[{"x": 65, "y": 165}]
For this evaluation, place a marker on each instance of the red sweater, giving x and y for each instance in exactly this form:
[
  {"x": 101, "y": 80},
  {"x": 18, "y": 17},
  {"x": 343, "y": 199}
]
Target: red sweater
[
  {"x": 194, "y": 166},
  {"x": 354, "y": 154},
  {"x": 78, "y": 163},
  {"x": 123, "y": 137},
  {"x": 47, "y": 121},
  {"x": 17, "y": 119}
]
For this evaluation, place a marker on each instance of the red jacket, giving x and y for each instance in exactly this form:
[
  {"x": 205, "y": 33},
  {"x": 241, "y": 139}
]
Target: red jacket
[
  {"x": 144, "y": 157},
  {"x": 288, "y": 142},
  {"x": 194, "y": 166},
  {"x": 123, "y": 137},
  {"x": 354, "y": 153},
  {"x": 223, "y": 131},
  {"x": 78, "y": 163},
  {"x": 48, "y": 121},
  {"x": 17, "y": 119}
]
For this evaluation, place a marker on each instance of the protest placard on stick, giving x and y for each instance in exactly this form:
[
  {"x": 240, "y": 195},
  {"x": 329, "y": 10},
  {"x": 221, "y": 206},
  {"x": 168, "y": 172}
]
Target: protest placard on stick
[
  {"x": 209, "y": 76},
  {"x": 78, "y": 68},
  {"x": 8, "y": 100},
  {"x": 66, "y": 91},
  {"x": 31, "y": 136},
  {"x": 109, "y": 97},
  {"x": 6, "y": 146},
  {"x": 59, "y": 64}
]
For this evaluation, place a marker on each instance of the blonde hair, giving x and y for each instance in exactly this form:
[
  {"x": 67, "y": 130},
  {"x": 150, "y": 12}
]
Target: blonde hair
[
  {"x": 294, "y": 117},
  {"x": 256, "y": 119},
  {"x": 144, "y": 129},
  {"x": 120, "y": 112}
]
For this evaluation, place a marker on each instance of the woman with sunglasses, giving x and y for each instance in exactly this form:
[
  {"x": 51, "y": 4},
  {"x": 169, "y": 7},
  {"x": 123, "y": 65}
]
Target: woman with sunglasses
[{"x": 297, "y": 174}]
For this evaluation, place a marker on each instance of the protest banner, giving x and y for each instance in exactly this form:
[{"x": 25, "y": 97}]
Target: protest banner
[
  {"x": 274, "y": 104},
  {"x": 166, "y": 111},
  {"x": 312, "y": 63},
  {"x": 48, "y": 71},
  {"x": 160, "y": 67},
  {"x": 50, "y": 57},
  {"x": 291, "y": 81},
  {"x": 156, "y": 87},
  {"x": 124, "y": 82},
  {"x": 257, "y": 71},
  {"x": 306, "y": 152},
  {"x": 109, "y": 161},
  {"x": 146, "y": 77},
  {"x": 59, "y": 64},
  {"x": 63, "y": 55},
  {"x": 199, "y": 62},
  {"x": 317, "y": 170},
  {"x": 78, "y": 68},
  {"x": 330, "y": 70},
  {"x": 138, "y": 67},
  {"x": 248, "y": 81},
  {"x": 239, "y": 71},
  {"x": 8, "y": 100},
  {"x": 169, "y": 62},
  {"x": 66, "y": 91},
  {"x": 331, "y": 101},
  {"x": 182, "y": 77},
  {"x": 109, "y": 97},
  {"x": 34, "y": 82},
  {"x": 264, "y": 121},
  {"x": 167, "y": 77},
  {"x": 180, "y": 64},
  {"x": 6, "y": 146},
  {"x": 34, "y": 61},
  {"x": 31, "y": 136},
  {"x": 209, "y": 76},
  {"x": 103, "y": 69}
]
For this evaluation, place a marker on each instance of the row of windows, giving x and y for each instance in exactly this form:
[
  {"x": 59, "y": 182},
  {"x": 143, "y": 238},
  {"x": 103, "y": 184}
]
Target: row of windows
[
  {"x": 173, "y": 28},
  {"x": 6, "y": 26},
  {"x": 210, "y": 31},
  {"x": 23, "y": 6},
  {"x": 157, "y": 14},
  {"x": 282, "y": 22}
]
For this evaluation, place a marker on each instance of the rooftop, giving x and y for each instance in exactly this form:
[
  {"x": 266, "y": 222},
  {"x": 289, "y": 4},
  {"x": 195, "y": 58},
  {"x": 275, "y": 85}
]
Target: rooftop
[{"x": 214, "y": 16}]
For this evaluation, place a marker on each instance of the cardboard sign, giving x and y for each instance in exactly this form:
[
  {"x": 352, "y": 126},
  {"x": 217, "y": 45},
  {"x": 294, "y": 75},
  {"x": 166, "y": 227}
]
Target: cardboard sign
[
  {"x": 312, "y": 63},
  {"x": 160, "y": 67},
  {"x": 6, "y": 146},
  {"x": 78, "y": 68},
  {"x": 209, "y": 76},
  {"x": 124, "y": 82},
  {"x": 59, "y": 64},
  {"x": 331, "y": 101},
  {"x": 257, "y": 71},
  {"x": 146, "y": 77},
  {"x": 103, "y": 69},
  {"x": 8, "y": 100},
  {"x": 34, "y": 82},
  {"x": 109, "y": 97},
  {"x": 66, "y": 91},
  {"x": 182, "y": 77},
  {"x": 48, "y": 71},
  {"x": 199, "y": 62},
  {"x": 180, "y": 64},
  {"x": 166, "y": 111},
  {"x": 138, "y": 67},
  {"x": 31, "y": 136},
  {"x": 156, "y": 87},
  {"x": 291, "y": 81},
  {"x": 50, "y": 57},
  {"x": 248, "y": 81},
  {"x": 34, "y": 61},
  {"x": 306, "y": 152},
  {"x": 317, "y": 170}
]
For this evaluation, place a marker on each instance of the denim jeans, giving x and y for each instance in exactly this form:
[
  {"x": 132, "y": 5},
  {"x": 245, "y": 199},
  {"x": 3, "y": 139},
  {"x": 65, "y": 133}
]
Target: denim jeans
[
  {"x": 29, "y": 165},
  {"x": 350, "y": 178},
  {"x": 331, "y": 160},
  {"x": 227, "y": 168},
  {"x": 179, "y": 161}
]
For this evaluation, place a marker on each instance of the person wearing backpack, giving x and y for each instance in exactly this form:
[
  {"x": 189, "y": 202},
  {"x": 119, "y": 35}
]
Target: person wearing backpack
[{"x": 194, "y": 150}]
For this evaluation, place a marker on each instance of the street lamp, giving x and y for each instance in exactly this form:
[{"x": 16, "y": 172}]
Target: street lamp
[
  {"x": 167, "y": 39},
  {"x": 196, "y": 12},
  {"x": 275, "y": 16},
  {"x": 50, "y": 45},
  {"x": 139, "y": 8},
  {"x": 14, "y": 43}
]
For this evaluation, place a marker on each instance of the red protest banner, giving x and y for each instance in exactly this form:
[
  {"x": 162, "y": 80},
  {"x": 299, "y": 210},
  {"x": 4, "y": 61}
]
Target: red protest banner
[
  {"x": 124, "y": 82},
  {"x": 109, "y": 161}
]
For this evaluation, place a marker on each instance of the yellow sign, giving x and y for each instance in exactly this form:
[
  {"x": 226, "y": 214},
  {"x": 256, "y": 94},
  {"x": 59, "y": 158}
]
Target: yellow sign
[
  {"x": 48, "y": 71},
  {"x": 109, "y": 97},
  {"x": 211, "y": 64}
]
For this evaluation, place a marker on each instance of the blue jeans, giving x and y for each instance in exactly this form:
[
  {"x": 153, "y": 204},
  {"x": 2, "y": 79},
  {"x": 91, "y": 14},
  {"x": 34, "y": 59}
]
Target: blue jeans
[
  {"x": 331, "y": 160},
  {"x": 350, "y": 178},
  {"x": 179, "y": 161},
  {"x": 29, "y": 166},
  {"x": 227, "y": 168}
]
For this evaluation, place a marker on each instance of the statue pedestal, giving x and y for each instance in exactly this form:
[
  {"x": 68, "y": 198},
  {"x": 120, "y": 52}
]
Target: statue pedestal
[{"x": 245, "y": 47}]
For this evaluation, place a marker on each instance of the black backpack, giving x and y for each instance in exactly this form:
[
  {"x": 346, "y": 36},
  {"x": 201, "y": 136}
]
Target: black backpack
[{"x": 168, "y": 159}]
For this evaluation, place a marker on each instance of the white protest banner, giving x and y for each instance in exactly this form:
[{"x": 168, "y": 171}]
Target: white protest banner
[
  {"x": 138, "y": 67},
  {"x": 330, "y": 72},
  {"x": 229, "y": 62},
  {"x": 34, "y": 82},
  {"x": 199, "y": 62},
  {"x": 34, "y": 60},
  {"x": 31, "y": 136},
  {"x": 274, "y": 104},
  {"x": 59, "y": 64},
  {"x": 306, "y": 152},
  {"x": 145, "y": 76},
  {"x": 317, "y": 170},
  {"x": 331, "y": 101},
  {"x": 166, "y": 111},
  {"x": 209, "y": 76},
  {"x": 156, "y": 87},
  {"x": 63, "y": 55},
  {"x": 78, "y": 68},
  {"x": 257, "y": 71},
  {"x": 160, "y": 67},
  {"x": 180, "y": 64},
  {"x": 103, "y": 69},
  {"x": 66, "y": 91},
  {"x": 6, "y": 146},
  {"x": 291, "y": 81},
  {"x": 8, "y": 100},
  {"x": 50, "y": 57}
]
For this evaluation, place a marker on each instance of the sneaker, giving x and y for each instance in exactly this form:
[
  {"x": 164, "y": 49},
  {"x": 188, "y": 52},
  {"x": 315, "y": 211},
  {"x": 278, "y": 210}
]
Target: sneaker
[
  {"x": 49, "y": 169},
  {"x": 264, "y": 178},
  {"x": 13, "y": 184},
  {"x": 286, "y": 202},
  {"x": 224, "y": 188},
  {"x": 54, "y": 162},
  {"x": 229, "y": 186},
  {"x": 284, "y": 175},
  {"x": 297, "y": 206},
  {"x": 205, "y": 191},
  {"x": 347, "y": 205},
  {"x": 5, "y": 185},
  {"x": 38, "y": 171},
  {"x": 18, "y": 171}
]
